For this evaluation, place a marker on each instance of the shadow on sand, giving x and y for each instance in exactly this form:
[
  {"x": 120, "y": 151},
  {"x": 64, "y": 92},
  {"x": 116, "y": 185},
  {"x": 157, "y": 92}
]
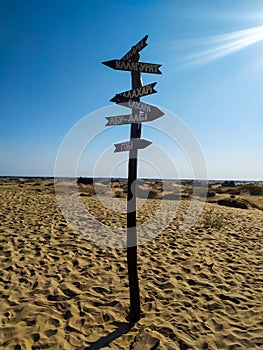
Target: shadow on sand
[{"x": 123, "y": 327}]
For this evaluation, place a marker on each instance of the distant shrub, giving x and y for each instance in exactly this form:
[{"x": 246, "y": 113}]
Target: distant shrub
[
  {"x": 255, "y": 190},
  {"x": 234, "y": 203},
  {"x": 232, "y": 191},
  {"x": 211, "y": 194},
  {"x": 85, "y": 181},
  {"x": 119, "y": 194},
  {"x": 212, "y": 219},
  {"x": 228, "y": 184}
]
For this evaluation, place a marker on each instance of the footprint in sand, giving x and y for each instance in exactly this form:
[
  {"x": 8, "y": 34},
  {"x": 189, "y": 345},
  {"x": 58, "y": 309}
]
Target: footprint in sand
[
  {"x": 35, "y": 337},
  {"x": 50, "y": 332},
  {"x": 54, "y": 322}
]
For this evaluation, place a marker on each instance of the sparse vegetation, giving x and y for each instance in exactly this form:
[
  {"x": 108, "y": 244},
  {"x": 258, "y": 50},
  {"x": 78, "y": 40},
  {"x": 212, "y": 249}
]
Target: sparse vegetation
[
  {"x": 234, "y": 203},
  {"x": 212, "y": 219},
  {"x": 211, "y": 194},
  {"x": 244, "y": 195},
  {"x": 119, "y": 194},
  {"x": 254, "y": 190}
]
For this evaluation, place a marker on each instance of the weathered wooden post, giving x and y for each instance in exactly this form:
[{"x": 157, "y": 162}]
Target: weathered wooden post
[
  {"x": 131, "y": 209},
  {"x": 131, "y": 99}
]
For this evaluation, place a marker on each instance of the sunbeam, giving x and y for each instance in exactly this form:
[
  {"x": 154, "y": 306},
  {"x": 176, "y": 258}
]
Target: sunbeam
[{"x": 223, "y": 45}]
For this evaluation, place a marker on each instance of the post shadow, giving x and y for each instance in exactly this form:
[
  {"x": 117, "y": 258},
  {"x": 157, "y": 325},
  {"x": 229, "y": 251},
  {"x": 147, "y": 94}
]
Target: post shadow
[{"x": 123, "y": 328}]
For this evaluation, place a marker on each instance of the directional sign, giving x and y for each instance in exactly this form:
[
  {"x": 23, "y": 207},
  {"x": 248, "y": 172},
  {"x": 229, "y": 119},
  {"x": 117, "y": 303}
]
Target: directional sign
[
  {"x": 135, "y": 49},
  {"x": 134, "y": 66},
  {"x": 131, "y": 145},
  {"x": 144, "y": 107},
  {"x": 132, "y": 118},
  {"x": 135, "y": 93},
  {"x": 126, "y": 119}
]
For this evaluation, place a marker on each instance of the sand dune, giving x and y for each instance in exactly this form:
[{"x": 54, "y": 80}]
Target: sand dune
[{"x": 199, "y": 290}]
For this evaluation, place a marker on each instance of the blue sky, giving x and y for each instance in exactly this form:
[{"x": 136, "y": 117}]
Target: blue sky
[{"x": 51, "y": 76}]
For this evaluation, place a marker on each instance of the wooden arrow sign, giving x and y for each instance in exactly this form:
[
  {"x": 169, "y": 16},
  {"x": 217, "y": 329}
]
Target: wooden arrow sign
[
  {"x": 126, "y": 119},
  {"x": 144, "y": 107},
  {"x": 134, "y": 66},
  {"x": 133, "y": 118},
  {"x": 135, "y": 93},
  {"x": 135, "y": 49},
  {"x": 131, "y": 145}
]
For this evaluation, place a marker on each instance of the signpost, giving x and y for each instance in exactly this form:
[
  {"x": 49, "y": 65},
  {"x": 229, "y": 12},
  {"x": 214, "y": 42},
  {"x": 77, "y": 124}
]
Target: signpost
[
  {"x": 135, "y": 93},
  {"x": 134, "y": 66},
  {"x": 132, "y": 145},
  {"x": 133, "y": 118},
  {"x": 135, "y": 49},
  {"x": 131, "y": 99},
  {"x": 144, "y": 107}
]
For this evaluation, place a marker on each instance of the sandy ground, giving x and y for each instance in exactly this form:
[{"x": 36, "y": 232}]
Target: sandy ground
[{"x": 202, "y": 289}]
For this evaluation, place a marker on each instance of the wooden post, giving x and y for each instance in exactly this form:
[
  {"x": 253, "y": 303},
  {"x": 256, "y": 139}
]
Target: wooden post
[
  {"x": 130, "y": 62},
  {"x": 134, "y": 315}
]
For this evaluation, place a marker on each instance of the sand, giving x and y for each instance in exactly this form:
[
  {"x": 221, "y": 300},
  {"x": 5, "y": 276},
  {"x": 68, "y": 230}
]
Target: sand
[{"x": 202, "y": 289}]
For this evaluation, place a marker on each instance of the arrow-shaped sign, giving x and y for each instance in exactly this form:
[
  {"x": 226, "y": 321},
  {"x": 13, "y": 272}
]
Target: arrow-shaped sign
[
  {"x": 131, "y": 145},
  {"x": 143, "y": 107},
  {"x": 133, "y": 118},
  {"x": 135, "y": 93},
  {"x": 126, "y": 119},
  {"x": 135, "y": 49},
  {"x": 134, "y": 66}
]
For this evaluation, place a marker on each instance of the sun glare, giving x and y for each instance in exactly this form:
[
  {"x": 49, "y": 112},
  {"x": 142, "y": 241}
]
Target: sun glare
[{"x": 215, "y": 47}]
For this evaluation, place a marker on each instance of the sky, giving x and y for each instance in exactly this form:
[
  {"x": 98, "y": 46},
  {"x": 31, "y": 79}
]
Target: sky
[{"x": 54, "y": 91}]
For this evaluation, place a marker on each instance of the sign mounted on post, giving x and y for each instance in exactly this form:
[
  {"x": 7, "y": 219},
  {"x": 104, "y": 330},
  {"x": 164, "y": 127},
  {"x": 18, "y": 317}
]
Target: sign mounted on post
[
  {"x": 135, "y": 49},
  {"x": 126, "y": 119},
  {"x": 134, "y": 66},
  {"x": 131, "y": 145},
  {"x": 134, "y": 93},
  {"x": 141, "y": 112},
  {"x": 144, "y": 107},
  {"x": 133, "y": 118}
]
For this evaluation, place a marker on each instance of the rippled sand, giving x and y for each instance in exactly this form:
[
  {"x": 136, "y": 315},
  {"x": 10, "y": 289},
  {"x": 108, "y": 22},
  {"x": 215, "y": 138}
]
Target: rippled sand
[{"x": 199, "y": 290}]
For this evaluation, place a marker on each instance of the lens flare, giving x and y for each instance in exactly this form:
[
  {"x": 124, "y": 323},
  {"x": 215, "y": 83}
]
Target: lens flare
[{"x": 222, "y": 45}]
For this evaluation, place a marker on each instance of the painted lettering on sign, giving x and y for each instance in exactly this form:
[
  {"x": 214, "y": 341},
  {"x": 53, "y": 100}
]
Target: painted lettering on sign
[
  {"x": 152, "y": 111},
  {"x": 141, "y": 106},
  {"x": 135, "y": 49},
  {"x": 140, "y": 91},
  {"x": 127, "y": 119},
  {"x": 135, "y": 93},
  {"x": 118, "y": 120},
  {"x": 134, "y": 66},
  {"x": 131, "y": 145},
  {"x": 138, "y": 118},
  {"x": 127, "y": 146}
]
